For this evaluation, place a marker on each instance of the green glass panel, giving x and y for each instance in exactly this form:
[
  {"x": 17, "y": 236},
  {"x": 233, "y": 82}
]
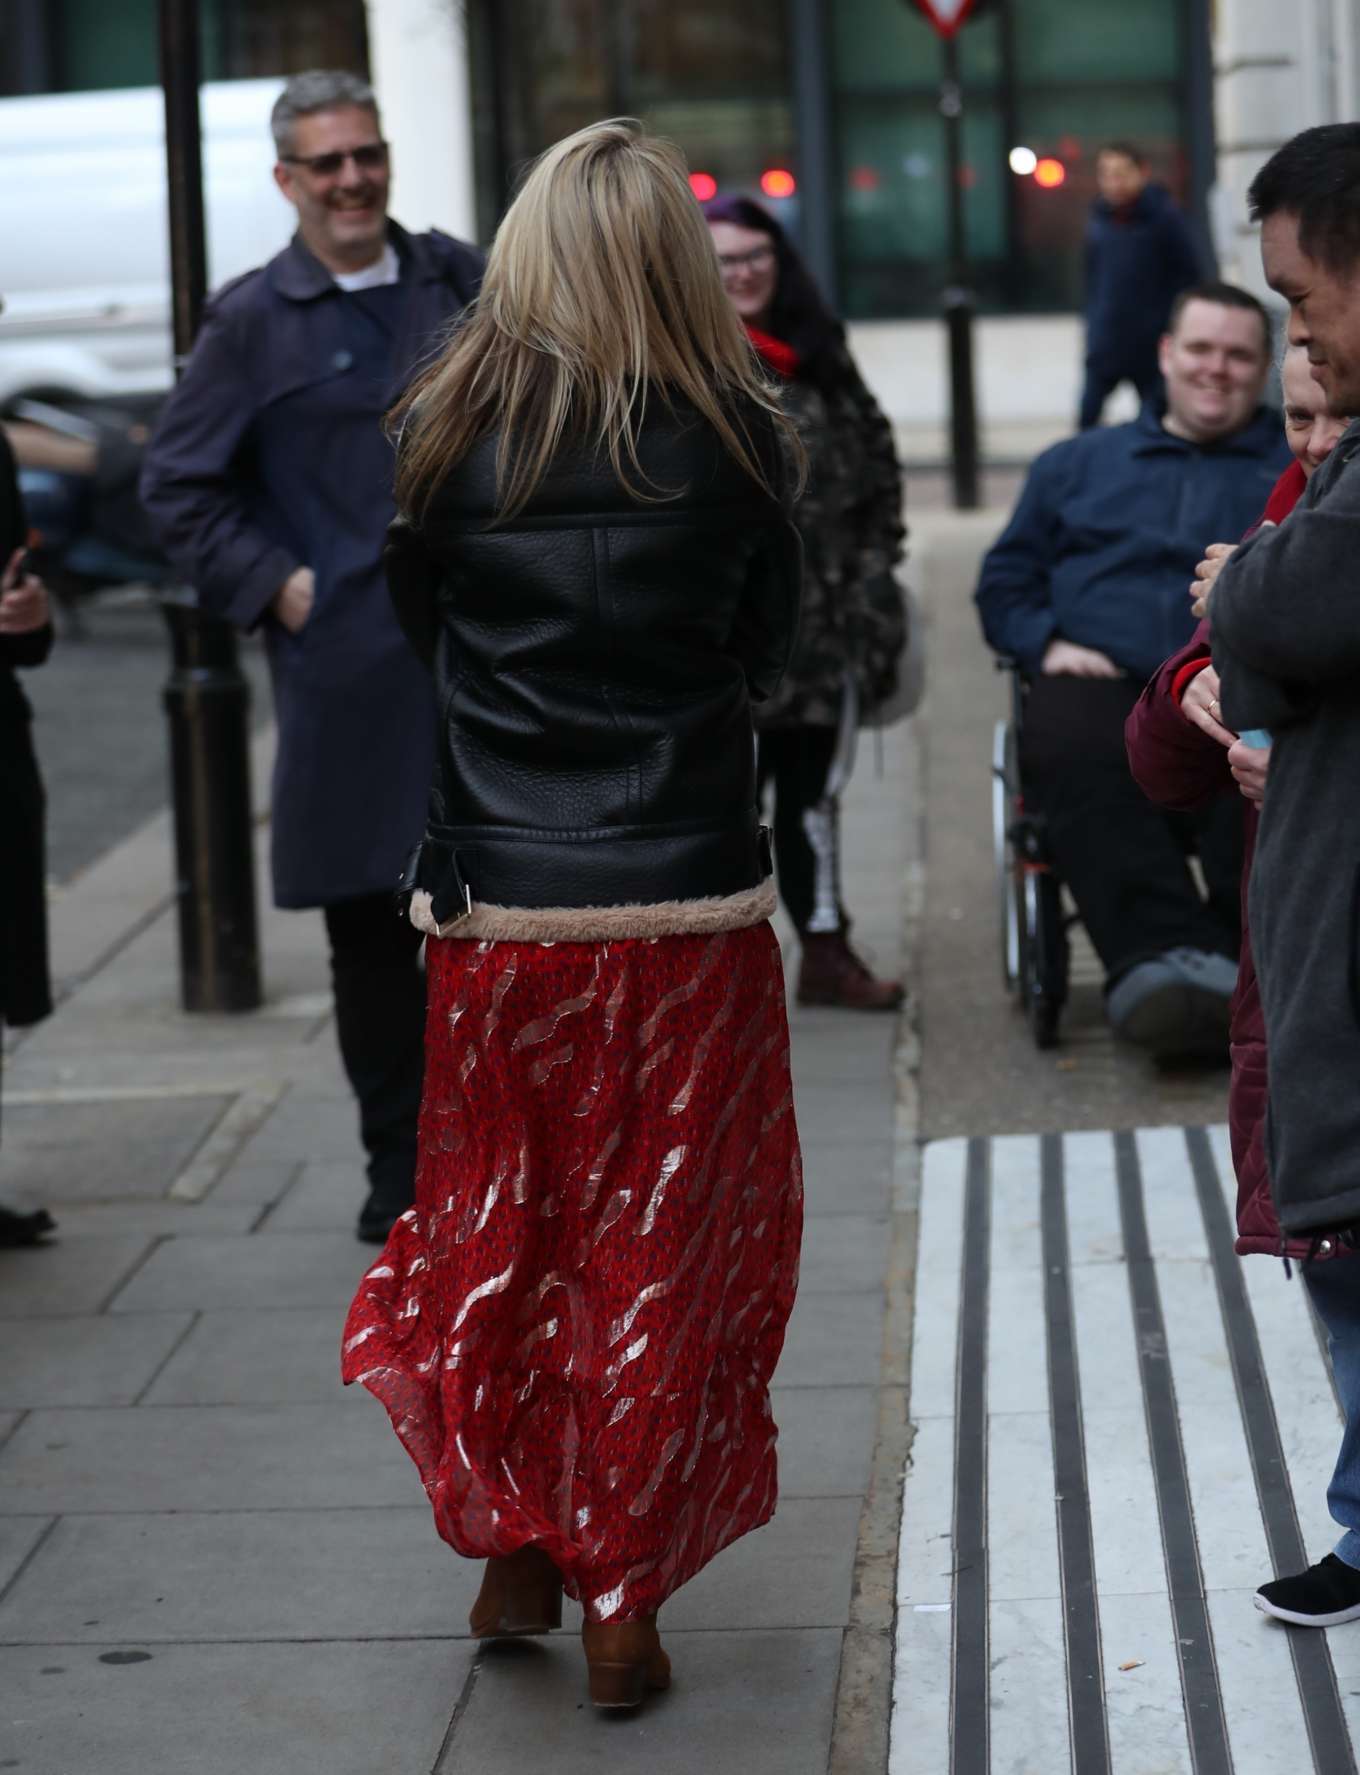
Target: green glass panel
[
  {"x": 705, "y": 47},
  {"x": 980, "y": 60},
  {"x": 102, "y": 47},
  {"x": 894, "y": 225},
  {"x": 1098, "y": 39},
  {"x": 879, "y": 44}
]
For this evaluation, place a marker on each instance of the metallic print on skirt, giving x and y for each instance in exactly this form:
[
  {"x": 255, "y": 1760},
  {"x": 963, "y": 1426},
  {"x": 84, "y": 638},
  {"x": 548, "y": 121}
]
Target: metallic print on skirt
[{"x": 575, "y": 1327}]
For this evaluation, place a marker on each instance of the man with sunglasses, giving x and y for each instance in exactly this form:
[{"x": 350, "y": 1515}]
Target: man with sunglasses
[{"x": 269, "y": 481}]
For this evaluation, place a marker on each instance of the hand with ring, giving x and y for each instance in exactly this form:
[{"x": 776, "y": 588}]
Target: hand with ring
[{"x": 1199, "y": 704}]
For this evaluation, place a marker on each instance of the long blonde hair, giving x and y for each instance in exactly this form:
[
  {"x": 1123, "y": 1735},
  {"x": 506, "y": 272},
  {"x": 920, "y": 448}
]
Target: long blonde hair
[{"x": 601, "y": 289}]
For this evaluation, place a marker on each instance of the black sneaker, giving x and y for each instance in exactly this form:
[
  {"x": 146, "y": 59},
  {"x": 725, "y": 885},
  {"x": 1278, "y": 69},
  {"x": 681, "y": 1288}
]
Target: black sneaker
[{"x": 1324, "y": 1596}]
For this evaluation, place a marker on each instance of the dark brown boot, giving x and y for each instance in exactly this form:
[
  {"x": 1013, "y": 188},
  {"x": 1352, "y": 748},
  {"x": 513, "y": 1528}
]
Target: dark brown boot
[
  {"x": 832, "y": 974},
  {"x": 521, "y": 1594},
  {"x": 624, "y": 1660}
]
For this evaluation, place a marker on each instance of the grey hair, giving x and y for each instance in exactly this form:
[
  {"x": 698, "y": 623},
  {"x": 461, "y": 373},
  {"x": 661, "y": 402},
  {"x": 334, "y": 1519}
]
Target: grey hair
[{"x": 319, "y": 89}]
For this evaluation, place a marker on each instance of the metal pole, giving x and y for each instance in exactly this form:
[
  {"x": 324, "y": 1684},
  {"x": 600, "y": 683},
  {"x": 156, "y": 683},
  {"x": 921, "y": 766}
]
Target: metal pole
[
  {"x": 207, "y": 698},
  {"x": 958, "y": 299},
  {"x": 811, "y": 57}
]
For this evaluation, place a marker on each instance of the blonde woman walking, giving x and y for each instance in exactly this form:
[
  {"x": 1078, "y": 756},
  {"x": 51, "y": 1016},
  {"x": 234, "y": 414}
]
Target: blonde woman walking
[{"x": 575, "y": 1328}]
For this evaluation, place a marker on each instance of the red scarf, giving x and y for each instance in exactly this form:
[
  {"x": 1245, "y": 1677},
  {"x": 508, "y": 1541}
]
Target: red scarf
[{"x": 781, "y": 358}]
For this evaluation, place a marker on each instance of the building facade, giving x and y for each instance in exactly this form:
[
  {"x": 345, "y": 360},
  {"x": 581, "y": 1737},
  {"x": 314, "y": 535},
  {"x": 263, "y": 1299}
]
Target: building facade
[
  {"x": 1277, "y": 71},
  {"x": 832, "y": 108}
]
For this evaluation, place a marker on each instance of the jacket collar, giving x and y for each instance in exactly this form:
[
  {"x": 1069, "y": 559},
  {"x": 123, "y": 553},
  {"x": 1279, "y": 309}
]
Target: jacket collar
[
  {"x": 1256, "y": 436},
  {"x": 297, "y": 273}
]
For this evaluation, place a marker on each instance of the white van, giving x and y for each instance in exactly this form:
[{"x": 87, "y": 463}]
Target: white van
[{"x": 85, "y": 273}]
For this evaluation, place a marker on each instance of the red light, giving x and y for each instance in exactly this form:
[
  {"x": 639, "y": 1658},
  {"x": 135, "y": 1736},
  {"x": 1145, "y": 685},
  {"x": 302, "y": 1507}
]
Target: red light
[
  {"x": 864, "y": 178},
  {"x": 1050, "y": 174},
  {"x": 703, "y": 185},
  {"x": 778, "y": 181}
]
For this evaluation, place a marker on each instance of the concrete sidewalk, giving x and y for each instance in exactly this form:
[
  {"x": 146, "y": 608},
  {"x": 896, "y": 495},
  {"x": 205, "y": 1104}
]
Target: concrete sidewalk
[{"x": 213, "y": 1561}]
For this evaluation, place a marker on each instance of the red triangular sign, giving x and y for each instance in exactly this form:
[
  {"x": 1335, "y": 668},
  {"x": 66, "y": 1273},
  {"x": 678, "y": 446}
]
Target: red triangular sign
[{"x": 946, "y": 15}]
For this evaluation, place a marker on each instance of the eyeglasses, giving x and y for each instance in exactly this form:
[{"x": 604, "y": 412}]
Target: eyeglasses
[
  {"x": 368, "y": 159},
  {"x": 758, "y": 259}
]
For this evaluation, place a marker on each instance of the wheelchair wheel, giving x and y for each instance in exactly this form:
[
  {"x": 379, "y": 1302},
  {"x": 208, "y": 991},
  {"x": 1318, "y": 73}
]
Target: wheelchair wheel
[
  {"x": 1044, "y": 955},
  {"x": 1008, "y": 870}
]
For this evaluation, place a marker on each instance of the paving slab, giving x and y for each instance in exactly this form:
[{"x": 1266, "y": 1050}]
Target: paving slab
[
  {"x": 19, "y": 1535},
  {"x": 105, "y": 1150},
  {"x": 851, "y": 1051},
  {"x": 68, "y": 1276},
  {"x": 760, "y": 1703},
  {"x": 236, "y": 1576},
  {"x": 285, "y": 1356},
  {"x": 89, "y": 1361},
  {"x": 826, "y": 1440},
  {"x": 325, "y": 1197},
  {"x": 844, "y": 1114},
  {"x": 297, "y": 1457},
  {"x": 834, "y": 1340},
  {"x": 253, "y": 1183},
  {"x": 266, "y": 1270},
  {"x": 308, "y": 1127},
  {"x": 794, "y": 1572},
  {"x": 232, "y": 1710},
  {"x": 155, "y": 1219},
  {"x": 843, "y": 1252},
  {"x": 846, "y": 1180}
]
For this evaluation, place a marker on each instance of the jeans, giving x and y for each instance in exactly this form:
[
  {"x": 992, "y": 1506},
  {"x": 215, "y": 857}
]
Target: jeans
[{"x": 1334, "y": 1287}]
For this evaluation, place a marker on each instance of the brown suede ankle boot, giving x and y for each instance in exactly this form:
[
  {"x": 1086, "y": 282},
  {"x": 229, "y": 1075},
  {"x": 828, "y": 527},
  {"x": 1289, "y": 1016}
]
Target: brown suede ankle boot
[
  {"x": 521, "y": 1594},
  {"x": 624, "y": 1660},
  {"x": 832, "y": 974}
]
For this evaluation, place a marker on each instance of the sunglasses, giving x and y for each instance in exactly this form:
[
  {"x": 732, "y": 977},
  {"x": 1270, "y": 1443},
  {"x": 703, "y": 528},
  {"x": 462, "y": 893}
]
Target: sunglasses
[{"x": 370, "y": 158}]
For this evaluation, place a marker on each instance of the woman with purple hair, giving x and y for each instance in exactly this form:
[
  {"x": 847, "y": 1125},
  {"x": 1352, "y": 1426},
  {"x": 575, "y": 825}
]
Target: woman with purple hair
[{"x": 852, "y": 626}]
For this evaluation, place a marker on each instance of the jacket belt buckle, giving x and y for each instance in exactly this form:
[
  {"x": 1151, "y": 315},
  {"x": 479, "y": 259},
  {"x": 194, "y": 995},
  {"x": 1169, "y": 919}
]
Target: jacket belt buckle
[{"x": 454, "y": 888}]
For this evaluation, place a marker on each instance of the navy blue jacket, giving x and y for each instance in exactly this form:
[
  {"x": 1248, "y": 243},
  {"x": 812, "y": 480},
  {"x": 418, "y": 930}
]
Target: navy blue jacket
[
  {"x": 1137, "y": 263},
  {"x": 1108, "y": 531},
  {"x": 270, "y": 455}
]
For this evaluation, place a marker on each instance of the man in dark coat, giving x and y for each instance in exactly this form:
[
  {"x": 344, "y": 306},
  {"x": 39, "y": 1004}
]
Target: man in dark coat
[
  {"x": 1140, "y": 255},
  {"x": 1086, "y": 590},
  {"x": 25, "y": 640},
  {"x": 269, "y": 481},
  {"x": 1285, "y": 622}
]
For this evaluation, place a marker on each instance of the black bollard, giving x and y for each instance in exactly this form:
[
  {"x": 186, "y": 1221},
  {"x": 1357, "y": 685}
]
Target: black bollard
[
  {"x": 207, "y": 698},
  {"x": 963, "y": 425},
  {"x": 207, "y": 704}
]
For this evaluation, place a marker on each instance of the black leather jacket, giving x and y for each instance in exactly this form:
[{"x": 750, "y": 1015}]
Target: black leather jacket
[{"x": 595, "y": 657}]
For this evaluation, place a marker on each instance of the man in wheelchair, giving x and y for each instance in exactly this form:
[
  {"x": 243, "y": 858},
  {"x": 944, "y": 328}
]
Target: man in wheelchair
[{"x": 1086, "y": 592}]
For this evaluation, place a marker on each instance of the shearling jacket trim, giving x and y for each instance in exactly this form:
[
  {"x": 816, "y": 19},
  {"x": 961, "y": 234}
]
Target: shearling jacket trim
[{"x": 601, "y": 924}]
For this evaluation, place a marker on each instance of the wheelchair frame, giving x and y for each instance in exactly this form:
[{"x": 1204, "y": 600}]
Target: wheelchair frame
[{"x": 1034, "y": 927}]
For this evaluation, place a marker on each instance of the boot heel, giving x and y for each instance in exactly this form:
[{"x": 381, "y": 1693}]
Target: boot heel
[
  {"x": 521, "y": 1595},
  {"x": 624, "y": 1660},
  {"x": 618, "y": 1685}
]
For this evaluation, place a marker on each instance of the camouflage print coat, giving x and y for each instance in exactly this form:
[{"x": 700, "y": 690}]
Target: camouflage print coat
[{"x": 850, "y": 519}]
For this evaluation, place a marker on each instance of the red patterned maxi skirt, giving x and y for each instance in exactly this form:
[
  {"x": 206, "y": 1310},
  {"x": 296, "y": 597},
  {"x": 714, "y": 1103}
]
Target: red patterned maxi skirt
[{"x": 574, "y": 1328}]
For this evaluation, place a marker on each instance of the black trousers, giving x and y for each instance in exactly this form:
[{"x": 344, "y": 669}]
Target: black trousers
[
  {"x": 380, "y": 1020},
  {"x": 796, "y": 762},
  {"x": 1102, "y": 380},
  {"x": 1123, "y": 858}
]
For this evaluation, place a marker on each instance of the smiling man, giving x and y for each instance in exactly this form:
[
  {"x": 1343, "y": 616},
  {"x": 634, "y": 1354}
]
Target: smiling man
[
  {"x": 1286, "y": 634},
  {"x": 1086, "y": 591},
  {"x": 269, "y": 480}
]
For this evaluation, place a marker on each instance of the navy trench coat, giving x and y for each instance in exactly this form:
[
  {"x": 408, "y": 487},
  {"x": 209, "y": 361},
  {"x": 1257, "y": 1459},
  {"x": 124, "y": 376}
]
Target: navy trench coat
[{"x": 270, "y": 455}]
